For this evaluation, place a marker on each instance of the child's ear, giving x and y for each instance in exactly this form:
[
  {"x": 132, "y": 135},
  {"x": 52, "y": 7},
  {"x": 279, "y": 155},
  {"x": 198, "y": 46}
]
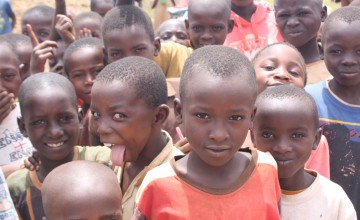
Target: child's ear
[
  {"x": 318, "y": 134},
  {"x": 81, "y": 117},
  {"x": 251, "y": 124},
  {"x": 324, "y": 13},
  {"x": 178, "y": 111},
  {"x": 21, "y": 125},
  {"x": 22, "y": 70},
  {"x": 105, "y": 56},
  {"x": 161, "y": 114},
  {"x": 321, "y": 50},
  {"x": 157, "y": 46},
  {"x": 230, "y": 25}
]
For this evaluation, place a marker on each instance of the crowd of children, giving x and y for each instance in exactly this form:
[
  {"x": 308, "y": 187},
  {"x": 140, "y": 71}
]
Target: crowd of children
[{"x": 243, "y": 110}]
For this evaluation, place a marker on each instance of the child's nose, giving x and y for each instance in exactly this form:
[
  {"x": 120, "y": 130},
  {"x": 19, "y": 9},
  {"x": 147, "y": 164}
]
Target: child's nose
[
  {"x": 55, "y": 131},
  {"x": 219, "y": 132},
  {"x": 282, "y": 74},
  {"x": 348, "y": 60},
  {"x": 292, "y": 21},
  {"x": 102, "y": 128},
  {"x": 282, "y": 146}
]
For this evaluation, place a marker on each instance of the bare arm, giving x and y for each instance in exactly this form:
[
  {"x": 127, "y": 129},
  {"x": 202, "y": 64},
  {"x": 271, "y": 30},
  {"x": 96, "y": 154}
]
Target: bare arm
[{"x": 60, "y": 9}]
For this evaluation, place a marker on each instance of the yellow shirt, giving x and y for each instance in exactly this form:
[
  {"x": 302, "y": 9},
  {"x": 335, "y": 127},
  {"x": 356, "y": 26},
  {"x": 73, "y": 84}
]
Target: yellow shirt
[
  {"x": 172, "y": 58},
  {"x": 129, "y": 196}
]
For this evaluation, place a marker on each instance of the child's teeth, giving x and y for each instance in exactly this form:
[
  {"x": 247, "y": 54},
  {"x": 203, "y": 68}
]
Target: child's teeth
[{"x": 56, "y": 145}]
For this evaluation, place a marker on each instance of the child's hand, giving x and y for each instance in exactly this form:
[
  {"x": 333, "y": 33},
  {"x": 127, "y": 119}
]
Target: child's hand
[
  {"x": 183, "y": 145},
  {"x": 41, "y": 52},
  {"x": 33, "y": 163},
  {"x": 83, "y": 33},
  {"x": 6, "y": 104},
  {"x": 65, "y": 28}
]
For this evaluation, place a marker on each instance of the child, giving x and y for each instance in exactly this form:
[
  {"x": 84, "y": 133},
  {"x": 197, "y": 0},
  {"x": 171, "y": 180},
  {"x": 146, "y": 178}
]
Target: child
[
  {"x": 299, "y": 23},
  {"x": 215, "y": 179},
  {"x": 14, "y": 146},
  {"x": 6, "y": 12},
  {"x": 202, "y": 26},
  {"x": 279, "y": 64},
  {"x": 88, "y": 22},
  {"x": 23, "y": 49},
  {"x": 129, "y": 109},
  {"x": 254, "y": 27},
  {"x": 50, "y": 119},
  {"x": 83, "y": 60},
  {"x": 40, "y": 18},
  {"x": 173, "y": 30},
  {"x": 83, "y": 190},
  {"x": 338, "y": 99},
  {"x": 101, "y": 6},
  {"x": 286, "y": 124}
]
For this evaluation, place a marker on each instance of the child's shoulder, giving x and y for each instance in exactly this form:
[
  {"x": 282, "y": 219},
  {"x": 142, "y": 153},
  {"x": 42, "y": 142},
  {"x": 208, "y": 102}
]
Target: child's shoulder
[
  {"x": 18, "y": 181},
  {"x": 100, "y": 154}
]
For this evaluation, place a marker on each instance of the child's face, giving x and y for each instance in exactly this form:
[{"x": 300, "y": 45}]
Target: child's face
[
  {"x": 51, "y": 121},
  {"x": 173, "y": 30},
  {"x": 341, "y": 52},
  {"x": 83, "y": 65},
  {"x": 91, "y": 24},
  {"x": 130, "y": 41},
  {"x": 207, "y": 26},
  {"x": 56, "y": 64},
  {"x": 102, "y": 7},
  {"x": 288, "y": 133},
  {"x": 277, "y": 65},
  {"x": 216, "y": 126},
  {"x": 40, "y": 25},
  {"x": 9, "y": 68},
  {"x": 298, "y": 21},
  {"x": 122, "y": 119}
]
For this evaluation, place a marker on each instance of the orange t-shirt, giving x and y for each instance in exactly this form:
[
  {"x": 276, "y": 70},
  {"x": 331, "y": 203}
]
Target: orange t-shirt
[
  {"x": 166, "y": 194},
  {"x": 250, "y": 37}
]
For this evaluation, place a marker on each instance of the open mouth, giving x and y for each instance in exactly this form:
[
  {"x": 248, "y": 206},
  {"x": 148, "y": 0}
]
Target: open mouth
[{"x": 283, "y": 162}]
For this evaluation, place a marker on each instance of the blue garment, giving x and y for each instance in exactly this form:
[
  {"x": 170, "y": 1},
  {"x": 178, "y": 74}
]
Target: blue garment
[
  {"x": 340, "y": 122},
  {"x": 5, "y": 12}
]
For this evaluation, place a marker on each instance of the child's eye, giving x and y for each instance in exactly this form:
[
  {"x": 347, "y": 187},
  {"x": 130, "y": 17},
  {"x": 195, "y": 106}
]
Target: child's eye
[
  {"x": 294, "y": 73},
  {"x": 269, "y": 68},
  {"x": 140, "y": 49},
  {"x": 181, "y": 36},
  {"x": 44, "y": 34},
  {"x": 202, "y": 115},
  {"x": 303, "y": 13},
  {"x": 235, "y": 118},
  {"x": 336, "y": 52},
  {"x": 38, "y": 122},
  {"x": 297, "y": 135},
  {"x": 166, "y": 36},
  {"x": 96, "y": 115},
  {"x": 197, "y": 28},
  {"x": 8, "y": 76},
  {"x": 283, "y": 15},
  {"x": 267, "y": 135},
  {"x": 65, "y": 118},
  {"x": 119, "y": 116},
  {"x": 77, "y": 75},
  {"x": 217, "y": 28}
]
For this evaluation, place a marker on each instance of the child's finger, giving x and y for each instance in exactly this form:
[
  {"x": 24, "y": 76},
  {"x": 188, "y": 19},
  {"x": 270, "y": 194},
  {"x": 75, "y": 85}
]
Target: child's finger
[
  {"x": 32, "y": 35},
  {"x": 185, "y": 148}
]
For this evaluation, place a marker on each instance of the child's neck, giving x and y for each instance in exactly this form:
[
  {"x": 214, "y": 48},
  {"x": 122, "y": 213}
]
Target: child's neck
[
  {"x": 222, "y": 177},
  {"x": 244, "y": 12},
  {"x": 48, "y": 165},
  {"x": 301, "y": 180},
  {"x": 310, "y": 51},
  {"x": 348, "y": 94}
]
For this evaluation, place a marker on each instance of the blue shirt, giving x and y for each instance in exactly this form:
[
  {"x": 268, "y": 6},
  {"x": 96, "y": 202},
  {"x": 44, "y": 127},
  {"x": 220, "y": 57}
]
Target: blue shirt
[
  {"x": 340, "y": 122},
  {"x": 5, "y": 12}
]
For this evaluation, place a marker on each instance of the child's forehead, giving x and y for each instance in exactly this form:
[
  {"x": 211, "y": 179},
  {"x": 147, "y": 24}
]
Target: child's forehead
[
  {"x": 284, "y": 4},
  {"x": 199, "y": 11}
]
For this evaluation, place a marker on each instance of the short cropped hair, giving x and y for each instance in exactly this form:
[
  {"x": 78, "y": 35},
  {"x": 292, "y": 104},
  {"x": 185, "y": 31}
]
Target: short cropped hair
[
  {"x": 319, "y": 2},
  {"x": 88, "y": 15},
  {"x": 223, "y": 5},
  {"x": 43, "y": 82},
  {"x": 7, "y": 43},
  {"x": 91, "y": 42},
  {"x": 291, "y": 94},
  {"x": 302, "y": 61},
  {"x": 348, "y": 14},
  {"x": 143, "y": 74},
  {"x": 127, "y": 16},
  {"x": 94, "y": 3},
  {"x": 42, "y": 10},
  {"x": 18, "y": 40},
  {"x": 219, "y": 61}
]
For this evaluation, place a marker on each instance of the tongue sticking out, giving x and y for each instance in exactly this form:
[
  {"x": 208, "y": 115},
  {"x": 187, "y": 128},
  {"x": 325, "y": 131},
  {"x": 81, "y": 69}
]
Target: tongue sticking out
[{"x": 117, "y": 154}]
